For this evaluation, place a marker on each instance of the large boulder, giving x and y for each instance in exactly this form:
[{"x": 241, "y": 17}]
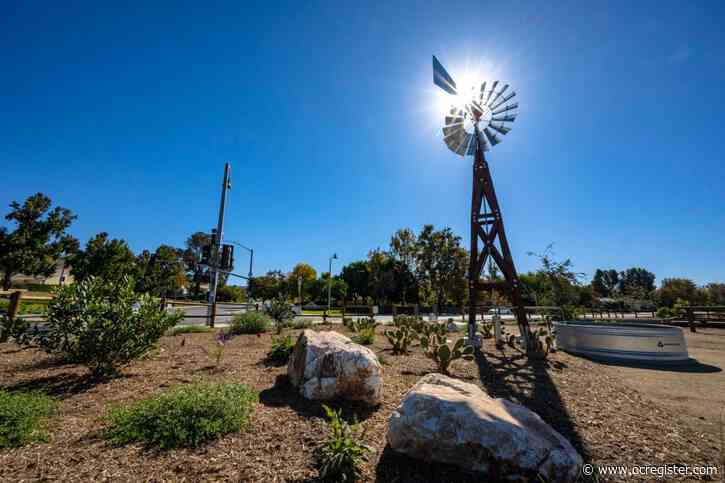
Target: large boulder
[
  {"x": 449, "y": 421},
  {"x": 327, "y": 365}
]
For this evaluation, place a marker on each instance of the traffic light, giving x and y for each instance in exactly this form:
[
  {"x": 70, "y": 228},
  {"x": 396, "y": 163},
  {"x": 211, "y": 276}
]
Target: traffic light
[
  {"x": 205, "y": 255},
  {"x": 227, "y": 262}
]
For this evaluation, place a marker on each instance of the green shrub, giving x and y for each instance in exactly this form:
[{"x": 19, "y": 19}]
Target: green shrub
[
  {"x": 339, "y": 457},
  {"x": 103, "y": 325},
  {"x": 433, "y": 340},
  {"x": 281, "y": 312},
  {"x": 365, "y": 336},
  {"x": 404, "y": 332},
  {"x": 189, "y": 329},
  {"x": 185, "y": 416},
  {"x": 16, "y": 328},
  {"x": 664, "y": 313},
  {"x": 21, "y": 415},
  {"x": 249, "y": 323},
  {"x": 281, "y": 349}
]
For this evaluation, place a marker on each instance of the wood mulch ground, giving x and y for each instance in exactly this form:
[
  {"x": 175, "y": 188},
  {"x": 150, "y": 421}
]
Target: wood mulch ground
[{"x": 608, "y": 422}]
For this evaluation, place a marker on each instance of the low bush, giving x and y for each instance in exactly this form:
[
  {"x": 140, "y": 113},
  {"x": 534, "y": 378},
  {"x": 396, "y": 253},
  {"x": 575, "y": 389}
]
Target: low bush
[
  {"x": 21, "y": 417},
  {"x": 103, "y": 325},
  {"x": 339, "y": 457},
  {"x": 16, "y": 328},
  {"x": 664, "y": 313},
  {"x": 363, "y": 323},
  {"x": 365, "y": 336},
  {"x": 189, "y": 329},
  {"x": 281, "y": 349},
  {"x": 185, "y": 416},
  {"x": 249, "y": 323}
]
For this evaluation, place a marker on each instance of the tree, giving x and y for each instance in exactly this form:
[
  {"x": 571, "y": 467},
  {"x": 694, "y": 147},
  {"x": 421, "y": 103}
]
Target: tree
[
  {"x": 404, "y": 249},
  {"x": 162, "y": 273},
  {"x": 605, "y": 282},
  {"x": 357, "y": 277},
  {"x": 192, "y": 256},
  {"x": 557, "y": 284},
  {"x": 676, "y": 288},
  {"x": 303, "y": 274},
  {"x": 636, "y": 282},
  {"x": 38, "y": 240},
  {"x": 267, "y": 287},
  {"x": 107, "y": 259},
  {"x": 714, "y": 293},
  {"x": 382, "y": 277},
  {"x": 441, "y": 262}
]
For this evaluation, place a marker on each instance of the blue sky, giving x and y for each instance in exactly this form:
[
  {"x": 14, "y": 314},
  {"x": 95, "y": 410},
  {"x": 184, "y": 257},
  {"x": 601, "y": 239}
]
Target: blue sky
[{"x": 326, "y": 111}]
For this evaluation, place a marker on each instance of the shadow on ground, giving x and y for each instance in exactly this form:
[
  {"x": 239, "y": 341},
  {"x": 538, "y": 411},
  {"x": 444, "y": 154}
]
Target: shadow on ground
[
  {"x": 61, "y": 385},
  {"x": 284, "y": 394},
  {"x": 527, "y": 381}
]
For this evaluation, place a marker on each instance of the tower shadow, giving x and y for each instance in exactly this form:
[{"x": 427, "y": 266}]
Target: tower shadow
[{"x": 526, "y": 381}]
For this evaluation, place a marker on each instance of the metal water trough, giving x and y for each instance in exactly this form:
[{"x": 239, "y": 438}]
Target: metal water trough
[{"x": 644, "y": 343}]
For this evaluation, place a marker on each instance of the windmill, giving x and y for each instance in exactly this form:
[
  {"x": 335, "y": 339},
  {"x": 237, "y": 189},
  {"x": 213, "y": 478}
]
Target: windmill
[{"x": 472, "y": 126}]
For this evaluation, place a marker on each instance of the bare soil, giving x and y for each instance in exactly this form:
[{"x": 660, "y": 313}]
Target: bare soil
[{"x": 602, "y": 410}]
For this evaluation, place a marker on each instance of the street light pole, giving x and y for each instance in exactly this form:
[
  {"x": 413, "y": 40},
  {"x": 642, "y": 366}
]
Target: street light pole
[{"x": 329, "y": 283}]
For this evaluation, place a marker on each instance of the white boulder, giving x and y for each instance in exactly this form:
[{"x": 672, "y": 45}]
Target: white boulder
[
  {"x": 328, "y": 365},
  {"x": 449, "y": 421}
]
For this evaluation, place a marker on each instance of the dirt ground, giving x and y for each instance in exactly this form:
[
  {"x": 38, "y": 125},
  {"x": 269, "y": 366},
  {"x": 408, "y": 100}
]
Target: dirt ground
[{"x": 608, "y": 415}]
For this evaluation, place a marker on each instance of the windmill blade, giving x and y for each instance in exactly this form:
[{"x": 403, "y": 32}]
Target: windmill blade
[
  {"x": 463, "y": 147},
  {"x": 493, "y": 88},
  {"x": 482, "y": 92},
  {"x": 505, "y": 98},
  {"x": 442, "y": 78},
  {"x": 452, "y": 130},
  {"x": 492, "y": 138},
  {"x": 505, "y": 118},
  {"x": 500, "y": 128},
  {"x": 498, "y": 94},
  {"x": 508, "y": 107}
]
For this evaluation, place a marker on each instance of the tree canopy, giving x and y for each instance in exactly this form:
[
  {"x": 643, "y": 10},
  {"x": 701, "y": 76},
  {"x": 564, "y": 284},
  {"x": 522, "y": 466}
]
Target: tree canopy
[{"x": 38, "y": 240}]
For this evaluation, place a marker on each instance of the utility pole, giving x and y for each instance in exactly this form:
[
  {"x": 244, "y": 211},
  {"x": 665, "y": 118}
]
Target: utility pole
[{"x": 216, "y": 246}]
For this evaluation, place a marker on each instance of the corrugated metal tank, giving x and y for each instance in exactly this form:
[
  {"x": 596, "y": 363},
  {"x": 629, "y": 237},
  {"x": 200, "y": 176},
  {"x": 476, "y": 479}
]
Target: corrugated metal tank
[{"x": 648, "y": 343}]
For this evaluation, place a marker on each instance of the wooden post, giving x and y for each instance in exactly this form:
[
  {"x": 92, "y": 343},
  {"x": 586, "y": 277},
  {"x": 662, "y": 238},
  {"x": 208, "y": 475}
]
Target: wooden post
[
  {"x": 691, "y": 319},
  {"x": 14, "y": 304}
]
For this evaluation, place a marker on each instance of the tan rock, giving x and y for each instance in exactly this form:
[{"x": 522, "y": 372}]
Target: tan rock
[
  {"x": 443, "y": 419},
  {"x": 327, "y": 365}
]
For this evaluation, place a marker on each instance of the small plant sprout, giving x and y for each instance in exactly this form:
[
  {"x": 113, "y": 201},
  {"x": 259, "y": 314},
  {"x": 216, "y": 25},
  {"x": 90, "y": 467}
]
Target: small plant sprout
[{"x": 338, "y": 458}]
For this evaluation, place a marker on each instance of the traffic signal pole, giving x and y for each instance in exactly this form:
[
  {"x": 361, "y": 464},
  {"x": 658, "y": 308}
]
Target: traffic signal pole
[{"x": 216, "y": 247}]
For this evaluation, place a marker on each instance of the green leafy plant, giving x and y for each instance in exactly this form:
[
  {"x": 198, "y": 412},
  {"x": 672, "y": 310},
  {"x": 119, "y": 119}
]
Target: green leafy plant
[
  {"x": 282, "y": 348},
  {"x": 189, "y": 329},
  {"x": 664, "y": 313},
  {"x": 365, "y": 336},
  {"x": 542, "y": 342},
  {"x": 404, "y": 332},
  {"x": 281, "y": 312},
  {"x": 21, "y": 417},
  {"x": 185, "y": 416},
  {"x": 103, "y": 325},
  {"x": 17, "y": 328},
  {"x": 249, "y": 323},
  {"x": 433, "y": 340},
  {"x": 487, "y": 330},
  {"x": 339, "y": 457},
  {"x": 363, "y": 323},
  {"x": 347, "y": 322}
]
